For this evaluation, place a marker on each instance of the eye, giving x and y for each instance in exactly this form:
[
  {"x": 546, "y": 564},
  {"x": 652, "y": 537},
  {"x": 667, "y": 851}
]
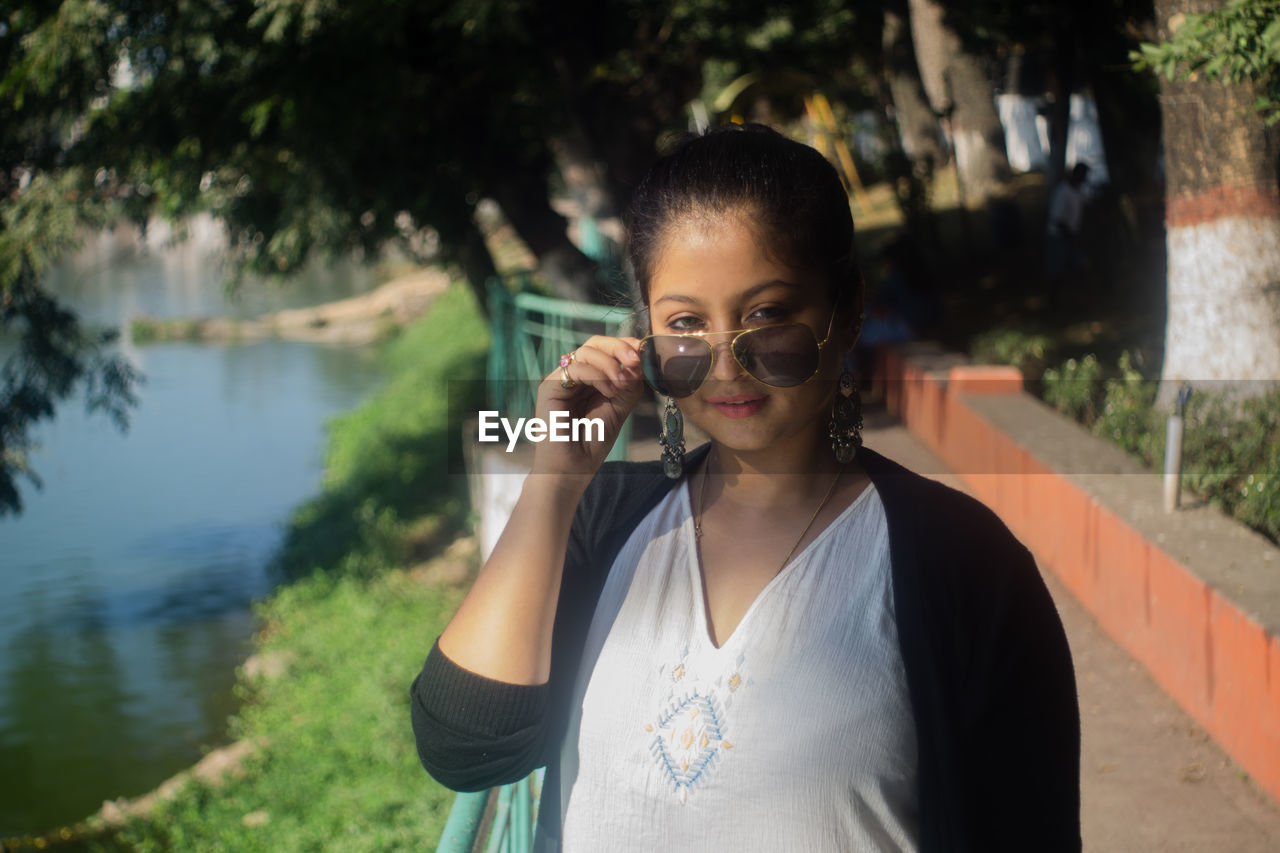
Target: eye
[
  {"x": 767, "y": 314},
  {"x": 686, "y": 323}
]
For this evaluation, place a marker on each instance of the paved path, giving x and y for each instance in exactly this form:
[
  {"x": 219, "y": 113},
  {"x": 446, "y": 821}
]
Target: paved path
[{"x": 1151, "y": 778}]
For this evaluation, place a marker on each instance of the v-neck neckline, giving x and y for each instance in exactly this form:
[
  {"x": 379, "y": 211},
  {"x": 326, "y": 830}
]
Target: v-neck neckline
[{"x": 702, "y": 621}]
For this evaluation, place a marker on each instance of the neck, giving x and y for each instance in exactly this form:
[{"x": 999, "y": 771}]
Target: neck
[{"x": 776, "y": 477}]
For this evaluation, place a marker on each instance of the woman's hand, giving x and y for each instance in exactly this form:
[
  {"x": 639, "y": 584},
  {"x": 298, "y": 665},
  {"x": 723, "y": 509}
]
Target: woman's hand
[{"x": 606, "y": 384}]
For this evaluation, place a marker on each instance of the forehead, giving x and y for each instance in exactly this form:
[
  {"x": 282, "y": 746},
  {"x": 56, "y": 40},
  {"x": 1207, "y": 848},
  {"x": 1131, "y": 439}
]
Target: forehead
[{"x": 715, "y": 257}]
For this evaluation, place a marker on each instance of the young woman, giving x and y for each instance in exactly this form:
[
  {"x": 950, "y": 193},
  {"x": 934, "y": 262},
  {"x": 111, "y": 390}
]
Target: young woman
[{"x": 782, "y": 640}]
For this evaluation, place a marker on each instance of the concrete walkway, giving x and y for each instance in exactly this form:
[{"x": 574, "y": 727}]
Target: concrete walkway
[{"x": 1151, "y": 778}]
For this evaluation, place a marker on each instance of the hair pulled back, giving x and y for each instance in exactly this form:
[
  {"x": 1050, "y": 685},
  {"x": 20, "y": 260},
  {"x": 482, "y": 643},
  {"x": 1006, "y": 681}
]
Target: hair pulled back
[{"x": 788, "y": 192}]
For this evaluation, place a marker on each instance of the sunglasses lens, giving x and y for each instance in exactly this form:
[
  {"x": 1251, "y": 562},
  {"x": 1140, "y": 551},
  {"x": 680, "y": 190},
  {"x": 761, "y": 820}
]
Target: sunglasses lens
[
  {"x": 778, "y": 356},
  {"x": 675, "y": 366}
]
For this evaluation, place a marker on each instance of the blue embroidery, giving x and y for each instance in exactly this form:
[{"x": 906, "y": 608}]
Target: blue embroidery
[{"x": 688, "y": 741}]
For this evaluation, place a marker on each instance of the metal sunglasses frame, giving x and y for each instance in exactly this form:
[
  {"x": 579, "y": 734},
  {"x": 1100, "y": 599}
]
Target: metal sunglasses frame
[{"x": 738, "y": 333}]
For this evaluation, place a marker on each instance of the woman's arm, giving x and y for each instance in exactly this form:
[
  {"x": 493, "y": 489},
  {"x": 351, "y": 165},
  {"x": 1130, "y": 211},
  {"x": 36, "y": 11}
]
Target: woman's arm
[{"x": 479, "y": 704}]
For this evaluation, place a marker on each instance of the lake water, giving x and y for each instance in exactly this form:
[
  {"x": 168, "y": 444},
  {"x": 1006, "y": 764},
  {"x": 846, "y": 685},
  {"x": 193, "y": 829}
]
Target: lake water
[{"x": 125, "y": 585}]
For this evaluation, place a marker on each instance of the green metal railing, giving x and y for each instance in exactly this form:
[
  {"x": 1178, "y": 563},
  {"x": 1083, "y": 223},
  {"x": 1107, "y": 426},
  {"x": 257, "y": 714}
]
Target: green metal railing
[
  {"x": 507, "y": 814},
  {"x": 530, "y": 333}
]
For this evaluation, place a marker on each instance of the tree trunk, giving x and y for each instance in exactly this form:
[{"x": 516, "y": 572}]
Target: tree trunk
[
  {"x": 1062, "y": 84},
  {"x": 477, "y": 265},
  {"x": 917, "y": 125},
  {"x": 524, "y": 196},
  {"x": 959, "y": 88},
  {"x": 1222, "y": 217}
]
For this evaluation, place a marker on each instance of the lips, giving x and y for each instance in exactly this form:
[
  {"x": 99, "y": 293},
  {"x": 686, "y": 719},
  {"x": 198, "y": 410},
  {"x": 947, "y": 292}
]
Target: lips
[{"x": 737, "y": 405}]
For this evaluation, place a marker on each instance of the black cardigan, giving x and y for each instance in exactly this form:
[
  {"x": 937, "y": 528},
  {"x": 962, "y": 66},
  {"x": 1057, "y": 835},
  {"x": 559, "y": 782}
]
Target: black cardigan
[{"x": 989, "y": 673}]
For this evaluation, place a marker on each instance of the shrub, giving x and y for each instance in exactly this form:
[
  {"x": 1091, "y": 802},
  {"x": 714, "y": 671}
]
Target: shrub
[
  {"x": 1025, "y": 350},
  {"x": 1127, "y": 416},
  {"x": 1230, "y": 448},
  {"x": 1073, "y": 389}
]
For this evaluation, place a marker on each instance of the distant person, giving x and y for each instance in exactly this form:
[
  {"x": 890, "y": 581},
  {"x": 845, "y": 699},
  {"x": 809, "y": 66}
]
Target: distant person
[{"x": 1062, "y": 235}]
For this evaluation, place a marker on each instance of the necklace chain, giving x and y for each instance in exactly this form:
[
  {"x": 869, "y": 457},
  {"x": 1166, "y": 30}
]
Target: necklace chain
[{"x": 702, "y": 496}]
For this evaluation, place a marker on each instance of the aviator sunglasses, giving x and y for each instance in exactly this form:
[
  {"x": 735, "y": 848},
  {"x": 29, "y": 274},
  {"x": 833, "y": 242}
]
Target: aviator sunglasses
[{"x": 780, "y": 356}]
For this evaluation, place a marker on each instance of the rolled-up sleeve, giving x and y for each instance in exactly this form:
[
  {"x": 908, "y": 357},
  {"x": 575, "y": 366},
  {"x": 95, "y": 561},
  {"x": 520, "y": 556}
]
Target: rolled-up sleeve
[{"x": 473, "y": 732}]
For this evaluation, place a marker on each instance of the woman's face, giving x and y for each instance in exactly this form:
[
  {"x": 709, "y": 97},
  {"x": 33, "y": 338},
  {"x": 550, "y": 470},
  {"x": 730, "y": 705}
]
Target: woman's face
[{"x": 714, "y": 275}]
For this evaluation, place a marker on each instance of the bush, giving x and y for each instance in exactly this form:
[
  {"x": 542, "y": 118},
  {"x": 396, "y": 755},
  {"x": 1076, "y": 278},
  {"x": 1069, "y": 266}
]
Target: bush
[
  {"x": 1127, "y": 416},
  {"x": 388, "y": 461},
  {"x": 1231, "y": 455},
  {"x": 1073, "y": 389},
  {"x": 1230, "y": 448},
  {"x": 1025, "y": 350}
]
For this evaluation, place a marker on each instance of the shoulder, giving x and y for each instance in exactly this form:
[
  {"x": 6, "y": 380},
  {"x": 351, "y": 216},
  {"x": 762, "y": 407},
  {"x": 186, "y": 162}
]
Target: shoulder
[
  {"x": 935, "y": 515},
  {"x": 951, "y": 555},
  {"x": 620, "y": 495},
  {"x": 619, "y": 488}
]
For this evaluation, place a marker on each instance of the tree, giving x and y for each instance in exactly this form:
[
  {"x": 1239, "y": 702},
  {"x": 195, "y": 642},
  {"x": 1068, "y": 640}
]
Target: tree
[
  {"x": 919, "y": 153},
  {"x": 960, "y": 89},
  {"x": 50, "y": 80},
  {"x": 313, "y": 126},
  {"x": 1222, "y": 197}
]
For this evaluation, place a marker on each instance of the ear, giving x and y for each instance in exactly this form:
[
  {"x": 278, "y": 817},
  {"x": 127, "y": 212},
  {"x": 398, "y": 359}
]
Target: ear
[{"x": 849, "y": 323}]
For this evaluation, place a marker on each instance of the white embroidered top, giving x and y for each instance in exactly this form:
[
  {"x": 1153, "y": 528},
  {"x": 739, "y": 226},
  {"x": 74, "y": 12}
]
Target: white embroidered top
[{"x": 796, "y": 734}]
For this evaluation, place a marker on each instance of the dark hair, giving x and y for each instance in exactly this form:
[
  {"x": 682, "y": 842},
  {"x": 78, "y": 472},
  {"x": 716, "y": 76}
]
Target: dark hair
[{"x": 789, "y": 191}]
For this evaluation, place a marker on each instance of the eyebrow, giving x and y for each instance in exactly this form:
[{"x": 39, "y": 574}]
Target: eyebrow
[{"x": 746, "y": 294}]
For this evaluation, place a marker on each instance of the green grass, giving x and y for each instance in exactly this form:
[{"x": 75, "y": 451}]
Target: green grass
[
  {"x": 339, "y": 770},
  {"x": 387, "y": 463}
]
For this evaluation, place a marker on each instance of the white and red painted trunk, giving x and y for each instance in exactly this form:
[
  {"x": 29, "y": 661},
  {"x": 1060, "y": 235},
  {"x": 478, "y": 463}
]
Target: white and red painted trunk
[
  {"x": 958, "y": 87},
  {"x": 1222, "y": 215}
]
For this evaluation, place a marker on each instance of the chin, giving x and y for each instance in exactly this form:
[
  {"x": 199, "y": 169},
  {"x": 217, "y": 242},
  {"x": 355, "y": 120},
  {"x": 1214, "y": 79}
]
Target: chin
[{"x": 755, "y": 434}]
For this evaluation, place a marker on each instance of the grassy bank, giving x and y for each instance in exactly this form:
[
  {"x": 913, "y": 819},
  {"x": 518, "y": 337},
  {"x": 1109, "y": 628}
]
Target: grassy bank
[{"x": 337, "y": 767}]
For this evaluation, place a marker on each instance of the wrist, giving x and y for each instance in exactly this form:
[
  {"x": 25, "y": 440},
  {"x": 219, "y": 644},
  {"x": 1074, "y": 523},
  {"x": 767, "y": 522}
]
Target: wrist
[{"x": 555, "y": 491}]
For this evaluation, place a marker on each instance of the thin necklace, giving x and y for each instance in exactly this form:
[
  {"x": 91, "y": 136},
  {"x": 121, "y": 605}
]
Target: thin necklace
[{"x": 702, "y": 496}]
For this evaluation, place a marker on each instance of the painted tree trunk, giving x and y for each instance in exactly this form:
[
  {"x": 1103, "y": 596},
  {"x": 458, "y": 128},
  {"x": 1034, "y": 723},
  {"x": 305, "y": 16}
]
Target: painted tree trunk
[
  {"x": 1222, "y": 218},
  {"x": 959, "y": 88},
  {"x": 917, "y": 125}
]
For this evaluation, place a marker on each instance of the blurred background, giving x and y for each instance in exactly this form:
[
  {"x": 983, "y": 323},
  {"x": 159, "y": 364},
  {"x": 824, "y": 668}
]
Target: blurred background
[{"x": 246, "y": 245}]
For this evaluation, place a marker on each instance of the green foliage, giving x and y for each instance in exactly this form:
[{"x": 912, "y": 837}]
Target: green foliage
[
  {"x": 1025, "y": 350},
  {"x": 1239, "y": 42},
  {"x": 313, "y": 127},
  {"x": 339, "y": 767},
  {"x": 389, "y": 461},
  {"x": 1230, "y": 447},
  {"x": 1127, "y": 415},
  {"x": 51, "y": 60},
  {"x": 1073, "y": 388}
]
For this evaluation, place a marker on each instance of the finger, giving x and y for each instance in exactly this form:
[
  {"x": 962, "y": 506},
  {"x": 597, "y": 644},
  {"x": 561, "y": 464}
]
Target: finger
[
  {"x": 620, "y": 368},
  {"x": 585, "y": 376},
  {"x": 624, "y": 350}
]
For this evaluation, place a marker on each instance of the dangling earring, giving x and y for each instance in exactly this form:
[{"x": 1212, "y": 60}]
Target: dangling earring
[
  {"x": 846, "y": 420},
  {"x": 672, "y": 440}
]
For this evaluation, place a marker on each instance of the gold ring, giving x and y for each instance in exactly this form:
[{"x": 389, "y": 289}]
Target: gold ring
[{"x": 566, "y": 360}]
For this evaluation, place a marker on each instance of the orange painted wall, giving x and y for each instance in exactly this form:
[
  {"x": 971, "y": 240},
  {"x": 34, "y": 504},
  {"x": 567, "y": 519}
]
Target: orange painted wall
[{"x": 1204, "y": 651}]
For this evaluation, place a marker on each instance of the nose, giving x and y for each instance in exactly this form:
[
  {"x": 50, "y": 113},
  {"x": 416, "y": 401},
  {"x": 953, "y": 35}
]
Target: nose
[{"x": 726, "y": 367}]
